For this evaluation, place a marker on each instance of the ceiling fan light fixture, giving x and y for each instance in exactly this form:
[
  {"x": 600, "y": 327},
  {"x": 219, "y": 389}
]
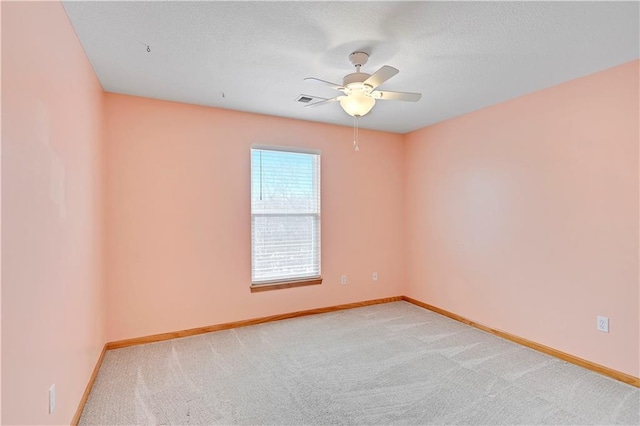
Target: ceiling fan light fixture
[
  {"x": 357, "y": 104},
  {"x": 358, "y": 92}
]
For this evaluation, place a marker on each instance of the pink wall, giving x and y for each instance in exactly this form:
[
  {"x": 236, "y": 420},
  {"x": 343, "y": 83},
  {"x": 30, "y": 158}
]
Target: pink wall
[
  {"x": 178, "y": 215},
  {"x": 53, "y": 315},
  {"x": 524, "y": 216}
]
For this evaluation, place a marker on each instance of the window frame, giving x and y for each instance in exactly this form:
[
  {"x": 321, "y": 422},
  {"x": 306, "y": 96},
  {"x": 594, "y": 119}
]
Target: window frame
[{"x": 293, "y": 282}]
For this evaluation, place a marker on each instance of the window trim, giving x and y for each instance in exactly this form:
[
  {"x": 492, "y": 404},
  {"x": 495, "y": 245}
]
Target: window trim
[
  {"x": 256, "y": 287},
  {"x": 294, "y": 149},
  {"x": 279, "y": 285}
]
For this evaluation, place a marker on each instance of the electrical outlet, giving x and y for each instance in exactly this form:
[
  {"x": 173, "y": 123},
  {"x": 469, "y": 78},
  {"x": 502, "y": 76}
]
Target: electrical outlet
[
  {"x": 343, "y": 280},
  {"x": 52, "y": 399},
  {"x": 374, "y": 277},
  {"x": 603, "y": 324}
]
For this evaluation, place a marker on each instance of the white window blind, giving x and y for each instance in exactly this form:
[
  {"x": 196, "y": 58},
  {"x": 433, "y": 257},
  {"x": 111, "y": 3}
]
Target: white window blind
[{"x": 285, "y": 215}]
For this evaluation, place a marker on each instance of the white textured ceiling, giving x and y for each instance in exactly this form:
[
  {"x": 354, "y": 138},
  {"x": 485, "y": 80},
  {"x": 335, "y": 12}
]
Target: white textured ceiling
[{"x": 461, "y": 56}]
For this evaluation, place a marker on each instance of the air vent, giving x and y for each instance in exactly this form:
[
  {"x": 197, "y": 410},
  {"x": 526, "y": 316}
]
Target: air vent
[{"x": 305, "y": 99}]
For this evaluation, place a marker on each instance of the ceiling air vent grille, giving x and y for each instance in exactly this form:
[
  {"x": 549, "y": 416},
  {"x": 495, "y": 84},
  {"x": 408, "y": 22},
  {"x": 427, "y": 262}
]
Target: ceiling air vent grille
[{"x": 305, "y": 99}]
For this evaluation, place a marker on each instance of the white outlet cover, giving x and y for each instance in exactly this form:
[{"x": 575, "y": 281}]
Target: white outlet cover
[
  {"x": 603, "y": 324},
  {"x": 375, "y": 276},
  {"x": 343, "y": 279},
  {"x": 52, "y": 399}
]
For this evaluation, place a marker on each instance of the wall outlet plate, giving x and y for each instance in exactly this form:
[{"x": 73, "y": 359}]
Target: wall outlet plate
[
  {"x": 343, "y": 280},
  {"x": 374, "y": 276},
  {"x": 603, "y": 324},
  {"x": 52, "y": 399}
]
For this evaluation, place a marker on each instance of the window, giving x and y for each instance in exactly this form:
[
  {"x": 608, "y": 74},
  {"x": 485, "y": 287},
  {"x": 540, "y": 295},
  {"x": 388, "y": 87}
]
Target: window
[{"x": 285, "y": 218}]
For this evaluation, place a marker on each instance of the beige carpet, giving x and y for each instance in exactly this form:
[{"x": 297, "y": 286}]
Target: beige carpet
[{"x": 385, "y": 364}]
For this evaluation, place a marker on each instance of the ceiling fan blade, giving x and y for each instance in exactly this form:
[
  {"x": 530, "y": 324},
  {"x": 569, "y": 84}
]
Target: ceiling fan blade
[
  {"x": 380, "y": 76},
  {"x": 396, "y": 96},
  {"x": 323, "y": 102},
  {"x": 328, "y": 83}
]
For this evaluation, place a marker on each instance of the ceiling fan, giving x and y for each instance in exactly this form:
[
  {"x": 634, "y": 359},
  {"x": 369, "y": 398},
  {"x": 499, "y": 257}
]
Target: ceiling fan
[{"x": 358, "y": 89}]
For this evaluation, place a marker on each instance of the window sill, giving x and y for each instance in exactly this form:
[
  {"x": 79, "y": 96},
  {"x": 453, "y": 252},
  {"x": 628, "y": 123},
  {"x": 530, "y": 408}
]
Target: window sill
[{"x": 255, "y": 288}]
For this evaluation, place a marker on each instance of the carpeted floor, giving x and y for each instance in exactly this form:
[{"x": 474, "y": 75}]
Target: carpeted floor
[{"x": 394, "y": 363}]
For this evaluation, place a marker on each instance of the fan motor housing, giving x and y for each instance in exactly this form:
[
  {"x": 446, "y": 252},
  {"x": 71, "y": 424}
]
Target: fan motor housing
[{"x": 356, "y": 77}]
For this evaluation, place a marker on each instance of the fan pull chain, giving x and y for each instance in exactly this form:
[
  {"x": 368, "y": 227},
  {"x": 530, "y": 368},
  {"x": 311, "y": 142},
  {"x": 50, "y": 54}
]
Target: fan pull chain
[{"x": 355, "y": 134}]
